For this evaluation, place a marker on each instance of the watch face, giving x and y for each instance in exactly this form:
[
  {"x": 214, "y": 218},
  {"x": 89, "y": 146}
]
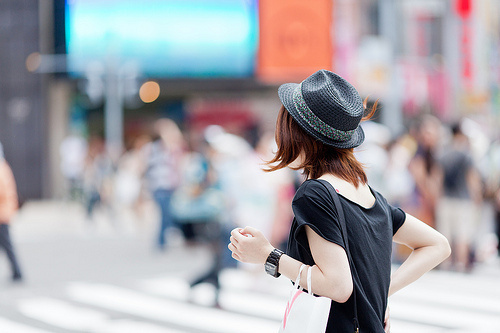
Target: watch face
[{"x": 270, "y": 268}]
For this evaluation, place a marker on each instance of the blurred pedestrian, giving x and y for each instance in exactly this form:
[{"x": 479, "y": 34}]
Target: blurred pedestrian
[
  {"x": 127, "y": 185},
  {"x": 458, "y": 206},
  {"x": 8, "y": 208},
  {"x": 225, "y": 155},
  {"x": 73, "y": 151},
  {"x": 491, "y": 175},
  {"x": 97, "y": 177},
  {"x": 317, "y": 129},
  {"x": 197, "y": 200},
  {"x": 276, "y": 193},
  {"x": 163, "y": 158},
  {"x": 198, "y": 206},
  {"x": 373, "y": 153},
  {"x": 425, "y": 170},
  {"x": 497, "y": 217},
  {"x": 397, "y": 178}
]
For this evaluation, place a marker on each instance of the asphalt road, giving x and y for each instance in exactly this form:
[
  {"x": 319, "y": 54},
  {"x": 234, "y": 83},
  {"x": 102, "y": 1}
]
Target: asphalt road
[{"x": 108, "y": 277}]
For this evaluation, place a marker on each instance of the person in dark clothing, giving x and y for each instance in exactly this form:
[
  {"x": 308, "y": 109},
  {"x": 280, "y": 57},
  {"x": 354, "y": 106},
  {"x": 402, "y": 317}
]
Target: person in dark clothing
[
  {"x": 317, "y": 129},
  {"x": 8, "y": 208},
  {"x": 458, "y": 207}
]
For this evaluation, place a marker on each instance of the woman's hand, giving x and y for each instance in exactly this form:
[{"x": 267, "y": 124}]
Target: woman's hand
[{"x": 249, "y": 245}]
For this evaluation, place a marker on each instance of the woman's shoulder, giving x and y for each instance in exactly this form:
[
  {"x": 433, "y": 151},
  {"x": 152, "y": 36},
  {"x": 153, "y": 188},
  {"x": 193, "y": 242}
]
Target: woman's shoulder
[{"x": 311, "y": 189}]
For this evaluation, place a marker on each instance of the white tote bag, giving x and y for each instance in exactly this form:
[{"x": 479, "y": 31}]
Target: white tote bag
[{"x": 305, "y": 313}]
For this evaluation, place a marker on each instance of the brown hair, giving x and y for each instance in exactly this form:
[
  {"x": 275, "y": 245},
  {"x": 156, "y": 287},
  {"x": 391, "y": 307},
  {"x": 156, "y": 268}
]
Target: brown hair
[{"x": 319, "y": 158}]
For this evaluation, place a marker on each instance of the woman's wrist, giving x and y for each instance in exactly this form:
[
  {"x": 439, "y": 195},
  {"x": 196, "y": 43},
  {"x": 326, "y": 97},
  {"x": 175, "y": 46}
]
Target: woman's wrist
[
  {"x": 271, "y": 264},
  {"x": 266, "y": 252}
]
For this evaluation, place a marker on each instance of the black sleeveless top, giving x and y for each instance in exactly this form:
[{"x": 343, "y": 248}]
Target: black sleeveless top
[{"x": 369, "y": 231}]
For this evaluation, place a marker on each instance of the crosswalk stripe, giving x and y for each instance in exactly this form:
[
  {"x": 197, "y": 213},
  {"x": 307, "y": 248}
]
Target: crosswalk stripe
[
  {"x": 452, "y": 282},
  {"x": 252, "y": 303},
  {"x": 132, "y": 326},
  {"x": 173, "y": 312},
  {"x": 444, "y": 299},
  {"x": 439, "y": 316},
  {"x": 13, "y": 327},
  {"x": 451, "y": 300},
  {"x": 398, "y": 326},
  {"x": 60, "y": 314},
  {"x": 70, "y": 317}
]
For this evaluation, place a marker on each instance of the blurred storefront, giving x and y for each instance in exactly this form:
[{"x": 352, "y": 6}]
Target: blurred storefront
[
  {"x": 215, "y": 62},
  {"x": 220, "y": 62}
]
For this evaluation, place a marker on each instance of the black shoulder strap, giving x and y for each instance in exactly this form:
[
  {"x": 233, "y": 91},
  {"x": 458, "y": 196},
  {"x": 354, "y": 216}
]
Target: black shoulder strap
[{"x": 343, "y": 228}]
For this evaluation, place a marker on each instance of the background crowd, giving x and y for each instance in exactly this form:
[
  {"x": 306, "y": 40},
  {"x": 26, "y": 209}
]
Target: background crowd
[{"x": 205, "y": 182}]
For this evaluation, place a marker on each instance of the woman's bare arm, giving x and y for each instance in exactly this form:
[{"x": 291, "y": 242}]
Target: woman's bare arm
[
  {"x": 331, "y": 275},
  {"x": 430, "y": 248}
]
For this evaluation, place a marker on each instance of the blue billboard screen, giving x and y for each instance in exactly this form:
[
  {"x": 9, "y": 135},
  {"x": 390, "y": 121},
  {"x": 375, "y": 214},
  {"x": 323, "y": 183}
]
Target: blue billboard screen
[{"x": 164, "y": 38}]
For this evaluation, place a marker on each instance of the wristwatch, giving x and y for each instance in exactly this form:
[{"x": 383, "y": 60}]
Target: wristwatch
[{"x": 272, "y": 262}]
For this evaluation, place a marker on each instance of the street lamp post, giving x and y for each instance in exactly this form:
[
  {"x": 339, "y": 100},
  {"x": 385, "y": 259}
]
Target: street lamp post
[
  {"x": 106, "y": 82},
  {"x": 113, "y": 110}
]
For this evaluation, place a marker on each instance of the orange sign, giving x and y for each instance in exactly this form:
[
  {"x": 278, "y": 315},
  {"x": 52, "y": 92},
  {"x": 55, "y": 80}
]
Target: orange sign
[{"x": 296, "y": 39}]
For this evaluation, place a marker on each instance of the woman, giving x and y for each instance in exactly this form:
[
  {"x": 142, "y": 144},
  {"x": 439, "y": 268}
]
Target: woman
[
  {"x": 8, "y": 208},
  {"x": 162, "y": 164},
  {"x": 317, "y": 129}
]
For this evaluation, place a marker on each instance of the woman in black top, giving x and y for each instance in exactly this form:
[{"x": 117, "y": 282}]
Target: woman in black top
[{"x": 317, "y": 129}]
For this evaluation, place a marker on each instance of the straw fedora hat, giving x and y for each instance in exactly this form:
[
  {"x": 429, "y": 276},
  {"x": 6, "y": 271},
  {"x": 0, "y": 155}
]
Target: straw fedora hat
[{"x": 327, "y": 107}]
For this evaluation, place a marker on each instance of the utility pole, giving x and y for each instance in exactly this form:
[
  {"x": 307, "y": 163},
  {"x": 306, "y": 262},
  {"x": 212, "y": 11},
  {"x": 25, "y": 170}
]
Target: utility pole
[
  {"x": 107, "y": 82},
  {"x": 113, "y": 109},
  {"x": 392, "y": 114}
]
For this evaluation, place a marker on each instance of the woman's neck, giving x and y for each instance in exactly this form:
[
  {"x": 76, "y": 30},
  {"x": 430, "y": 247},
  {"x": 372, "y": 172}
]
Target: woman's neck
[
  {"x": 360, "y": 195},
  {"x": 336, "y": 181}
]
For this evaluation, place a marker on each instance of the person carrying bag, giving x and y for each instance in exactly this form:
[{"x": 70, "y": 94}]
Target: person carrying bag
[
  {"x": 310, "y": 313},
  {"x": 343, "y": 229}
]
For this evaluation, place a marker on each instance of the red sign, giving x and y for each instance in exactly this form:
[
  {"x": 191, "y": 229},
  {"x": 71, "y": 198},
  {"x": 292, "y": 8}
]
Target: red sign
[
  {"x": 464, "y": 11},
  {"x": 295, "y": 38},
  {"x": 463, "y": 8}
]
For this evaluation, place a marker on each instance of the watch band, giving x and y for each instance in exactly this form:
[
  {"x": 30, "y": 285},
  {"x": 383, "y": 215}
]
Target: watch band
[{"x": 272, "y": 262}]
